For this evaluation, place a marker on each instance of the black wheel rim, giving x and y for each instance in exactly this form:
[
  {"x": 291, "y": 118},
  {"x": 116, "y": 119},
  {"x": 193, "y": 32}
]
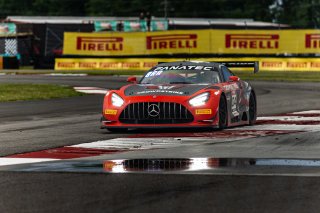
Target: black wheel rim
[{"x": 222, "y": 112}]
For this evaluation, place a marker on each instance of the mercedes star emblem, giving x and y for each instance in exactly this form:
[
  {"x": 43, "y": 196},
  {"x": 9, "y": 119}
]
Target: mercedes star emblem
[{"x": 153, "y": 110}]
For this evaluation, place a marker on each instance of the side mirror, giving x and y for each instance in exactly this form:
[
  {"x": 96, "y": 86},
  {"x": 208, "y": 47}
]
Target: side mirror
[
  {"x": 234, "y": 78},
  {"x": 132, "y": 79}
]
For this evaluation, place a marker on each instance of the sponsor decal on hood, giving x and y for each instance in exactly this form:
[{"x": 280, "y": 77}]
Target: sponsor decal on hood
[{"x": 169, "y": 90}]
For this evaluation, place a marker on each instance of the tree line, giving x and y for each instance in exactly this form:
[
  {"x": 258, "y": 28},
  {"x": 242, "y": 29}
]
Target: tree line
[{"x": 297, "y": 13}]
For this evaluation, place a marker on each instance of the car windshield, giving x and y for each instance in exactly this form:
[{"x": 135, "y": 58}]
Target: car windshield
[{"x": 181, "y": 77}]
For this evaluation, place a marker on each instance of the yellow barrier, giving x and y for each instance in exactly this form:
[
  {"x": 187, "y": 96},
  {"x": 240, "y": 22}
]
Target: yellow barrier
[
  {"x": 105, "y": 64},
  {"x": 267, "y": 64},
  {"x": 106, "y": 44},
  {"x": 265, "y": 41},
  {"x": 193, "y": 41}
]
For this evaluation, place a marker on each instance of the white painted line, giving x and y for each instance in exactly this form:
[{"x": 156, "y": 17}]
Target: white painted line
[
  {"x": 307, "y": 112},
  {"x": 131, "y": 143},
  {"x": 288, "y": 118},
  {"x": 153, "y": 143},
  {"x": 13, "y": 161},
  {"x": 91, "y": 90},
  {"x": 281, "y": 127}
]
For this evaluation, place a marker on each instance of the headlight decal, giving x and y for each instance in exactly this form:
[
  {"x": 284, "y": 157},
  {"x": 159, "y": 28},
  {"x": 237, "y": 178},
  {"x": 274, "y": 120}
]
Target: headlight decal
[
  {"x": 199, "y": 100},
  {"x": 116, "y": 100}
]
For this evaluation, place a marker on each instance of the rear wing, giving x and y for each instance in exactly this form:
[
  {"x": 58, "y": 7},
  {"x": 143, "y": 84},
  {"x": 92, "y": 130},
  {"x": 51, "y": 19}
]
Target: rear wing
[{"x": 239, "y": 64}]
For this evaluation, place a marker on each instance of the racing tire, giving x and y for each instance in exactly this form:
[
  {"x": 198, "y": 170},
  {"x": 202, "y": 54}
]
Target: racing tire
[
  {"x": 223, "y": 113},
  {"x": 252, "y": 109},
  {"x": 117, "y": 130}
]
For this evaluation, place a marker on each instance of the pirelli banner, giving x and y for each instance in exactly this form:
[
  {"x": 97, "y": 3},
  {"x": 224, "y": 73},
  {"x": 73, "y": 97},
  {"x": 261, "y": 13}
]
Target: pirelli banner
[
  {"x": 265, "y": 64},
  {"x": 193, "y": 42},
  {"x": 136, "y": 43},
  {"x": 266, "y": 41}
]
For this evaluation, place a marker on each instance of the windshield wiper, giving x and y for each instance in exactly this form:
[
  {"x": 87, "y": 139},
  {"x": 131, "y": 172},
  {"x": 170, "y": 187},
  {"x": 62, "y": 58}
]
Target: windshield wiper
[{"x": 180, "y": 82}]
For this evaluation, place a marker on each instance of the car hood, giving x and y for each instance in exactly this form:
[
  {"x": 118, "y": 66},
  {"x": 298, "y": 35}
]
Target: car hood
[{"x": 167, "y": 89}]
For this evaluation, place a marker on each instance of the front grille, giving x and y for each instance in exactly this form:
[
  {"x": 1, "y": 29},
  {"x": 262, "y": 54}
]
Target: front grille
[{"x": 155, "y": 113}]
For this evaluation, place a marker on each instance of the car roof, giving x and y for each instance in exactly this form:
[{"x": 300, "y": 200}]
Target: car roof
[{"x": 189, "y": 63}]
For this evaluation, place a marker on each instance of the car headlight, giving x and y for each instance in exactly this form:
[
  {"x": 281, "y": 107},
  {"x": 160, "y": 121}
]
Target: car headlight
[
  {"x": 116, "y": 100},
  {"x": 199, "y": 100}
]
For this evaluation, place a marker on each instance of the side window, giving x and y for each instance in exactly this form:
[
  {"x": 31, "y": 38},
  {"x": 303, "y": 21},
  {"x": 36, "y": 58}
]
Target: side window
[
  {"x": 215, "y": 78},
  {"x": 226, "y": 73}
]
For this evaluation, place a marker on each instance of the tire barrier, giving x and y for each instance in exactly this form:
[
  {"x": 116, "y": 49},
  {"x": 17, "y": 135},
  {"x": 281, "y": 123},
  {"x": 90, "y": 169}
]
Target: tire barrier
[{"x": 9, "y": 62}]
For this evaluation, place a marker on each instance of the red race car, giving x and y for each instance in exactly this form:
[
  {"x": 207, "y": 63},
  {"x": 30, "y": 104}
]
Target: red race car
[{"x": 182, "y": 94}]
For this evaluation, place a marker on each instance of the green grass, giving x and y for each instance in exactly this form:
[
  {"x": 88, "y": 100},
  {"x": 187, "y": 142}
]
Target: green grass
[
  {"x": 19, "y": 92},
  {"x": 279, "y": 76}
]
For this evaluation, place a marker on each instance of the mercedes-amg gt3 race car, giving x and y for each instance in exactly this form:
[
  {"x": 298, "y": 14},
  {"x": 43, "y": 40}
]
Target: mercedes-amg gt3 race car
[{"x": 182, "y": 94}]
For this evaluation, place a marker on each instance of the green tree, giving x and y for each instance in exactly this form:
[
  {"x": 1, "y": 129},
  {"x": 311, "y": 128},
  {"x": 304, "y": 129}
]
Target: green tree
[
  {"x": 42, "y": 7},
  {"x": 17, "y": 7},
  {"x": 67, "y": 7},
  {"x": 99, "y": 8},
  {"x": 298, "y": 13}
]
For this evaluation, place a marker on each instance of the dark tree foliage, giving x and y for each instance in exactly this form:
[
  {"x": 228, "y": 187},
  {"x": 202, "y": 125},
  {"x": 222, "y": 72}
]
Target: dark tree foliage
[
  {"x": 42, "y": 7},
  {"x": 298, "y": 13},
  {"x": 184, "y": 8}
]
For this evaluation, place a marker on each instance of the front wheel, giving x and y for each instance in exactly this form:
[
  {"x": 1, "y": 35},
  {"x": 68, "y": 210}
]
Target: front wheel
[
  {"x": 223, "y": 113},
  {"x": 252, "y": 109}
]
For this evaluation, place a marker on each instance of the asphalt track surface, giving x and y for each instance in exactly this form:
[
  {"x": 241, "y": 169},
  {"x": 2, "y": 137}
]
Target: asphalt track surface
[{"x": 36, "y": 125}]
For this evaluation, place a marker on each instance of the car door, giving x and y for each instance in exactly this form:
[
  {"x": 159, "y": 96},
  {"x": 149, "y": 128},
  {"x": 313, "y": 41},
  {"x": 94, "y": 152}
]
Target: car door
[{"x": 232, "y": 92}]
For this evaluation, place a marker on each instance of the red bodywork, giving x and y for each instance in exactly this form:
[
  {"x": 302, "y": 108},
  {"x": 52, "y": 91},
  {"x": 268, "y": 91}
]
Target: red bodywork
[{"x": 200, "y": 120}]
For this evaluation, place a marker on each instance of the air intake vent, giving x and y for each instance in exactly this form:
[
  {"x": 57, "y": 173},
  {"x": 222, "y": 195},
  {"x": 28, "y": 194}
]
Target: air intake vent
[{"x": 155, "y": 113}]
